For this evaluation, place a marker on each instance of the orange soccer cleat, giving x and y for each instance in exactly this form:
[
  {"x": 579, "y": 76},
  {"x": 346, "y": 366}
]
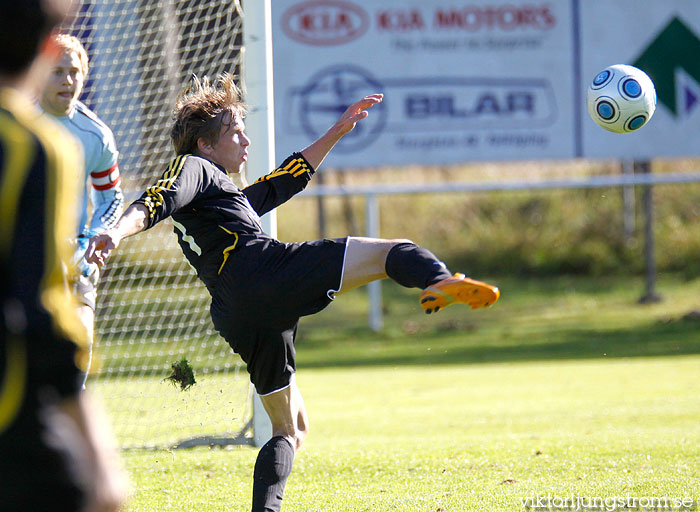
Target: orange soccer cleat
[{"x": 458, "y": 289}]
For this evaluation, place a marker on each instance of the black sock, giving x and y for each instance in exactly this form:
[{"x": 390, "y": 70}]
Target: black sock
[
  {"x": 414, "y": 267},
  {"x": 272, "y": 468}
]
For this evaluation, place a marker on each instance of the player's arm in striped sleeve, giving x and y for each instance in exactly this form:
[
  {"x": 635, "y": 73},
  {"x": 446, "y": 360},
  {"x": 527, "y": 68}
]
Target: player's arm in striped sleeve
[
  {"x": 106, "y": 197},
  {"x": 276, "y": 188},
  {"x": 105, "y": 188},
  {"x": 301, "y": 166},
  {"x": 178, "y": 186}
]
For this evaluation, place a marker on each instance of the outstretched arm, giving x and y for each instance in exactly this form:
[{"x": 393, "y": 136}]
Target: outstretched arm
[
  {"x": 317, "y": 151},
  {"x": 133, "y": 221}
]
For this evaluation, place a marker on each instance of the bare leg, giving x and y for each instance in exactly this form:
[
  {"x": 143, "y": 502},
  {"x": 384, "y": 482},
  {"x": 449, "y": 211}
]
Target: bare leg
[
  {"x": 287, "y": 414},
  {"x": 369, "y": 259},
  {"x": 274, "y": 464},
  {"x": 365, "y": 261}
]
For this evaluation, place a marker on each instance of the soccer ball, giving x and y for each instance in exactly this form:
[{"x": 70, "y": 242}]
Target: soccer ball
[{"x": 621, "y": 98}]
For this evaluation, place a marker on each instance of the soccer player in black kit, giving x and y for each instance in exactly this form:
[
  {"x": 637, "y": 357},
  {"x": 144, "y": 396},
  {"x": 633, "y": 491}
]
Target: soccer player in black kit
[{"x": 260, "y": 287}]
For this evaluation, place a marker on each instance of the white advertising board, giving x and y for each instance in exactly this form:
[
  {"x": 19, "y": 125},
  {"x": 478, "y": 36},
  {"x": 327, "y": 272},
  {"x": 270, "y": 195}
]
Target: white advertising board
[
  {"x": 469, "y": 81},
  {"x": 663, "y": 39}
]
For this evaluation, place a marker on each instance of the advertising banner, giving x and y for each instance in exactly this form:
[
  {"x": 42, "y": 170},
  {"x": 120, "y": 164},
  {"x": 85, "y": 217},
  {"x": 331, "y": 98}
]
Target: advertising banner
[
  {"x": 663, "y": 39},
  {"x": 475, "y": 81}
]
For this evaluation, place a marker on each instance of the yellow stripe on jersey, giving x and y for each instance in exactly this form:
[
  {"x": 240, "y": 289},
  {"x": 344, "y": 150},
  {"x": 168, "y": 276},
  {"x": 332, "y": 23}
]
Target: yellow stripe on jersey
[
  {"x": 154, "y": 196},
  {"x": 229, "y": 248},
  {"x": 165, "y": 181},
  {"x": 63, "y": 170},
  {"x": 18, "y": 146},
  {"x": 296, "y": 167},
  {"x": 14, "y": 384}
]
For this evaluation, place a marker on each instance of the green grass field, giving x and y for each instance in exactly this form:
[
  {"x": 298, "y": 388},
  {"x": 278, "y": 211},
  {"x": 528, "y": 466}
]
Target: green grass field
[{"x": 567, "y": 387}]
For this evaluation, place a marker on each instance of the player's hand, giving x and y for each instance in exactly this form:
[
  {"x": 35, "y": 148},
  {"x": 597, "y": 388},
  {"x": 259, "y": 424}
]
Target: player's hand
[
  {"x": 319, "y": 149},
  {"x": 100, "y": 246},
  {"x": 84, "y": 267},
  {"x": 356, "y": 112}
]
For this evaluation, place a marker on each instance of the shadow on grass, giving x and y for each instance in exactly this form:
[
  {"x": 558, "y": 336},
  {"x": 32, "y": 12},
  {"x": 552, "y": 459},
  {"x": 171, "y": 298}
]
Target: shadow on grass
[{"x": 672, "y": 338}]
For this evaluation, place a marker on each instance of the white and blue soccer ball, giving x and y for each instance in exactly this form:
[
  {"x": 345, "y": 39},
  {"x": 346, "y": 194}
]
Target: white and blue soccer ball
[{"x": 621, "y": 98}]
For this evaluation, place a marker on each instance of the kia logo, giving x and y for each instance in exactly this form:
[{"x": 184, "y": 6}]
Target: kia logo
[{"x": 325, "y": 22}]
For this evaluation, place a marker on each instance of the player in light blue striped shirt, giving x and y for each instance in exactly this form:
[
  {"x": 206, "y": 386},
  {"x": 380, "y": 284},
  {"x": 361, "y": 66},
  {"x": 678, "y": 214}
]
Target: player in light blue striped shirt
[{"x": 59, "y": 99}]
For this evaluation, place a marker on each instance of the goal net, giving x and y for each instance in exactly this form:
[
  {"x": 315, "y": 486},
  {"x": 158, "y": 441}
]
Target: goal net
[{"x": 152, "y": 310}]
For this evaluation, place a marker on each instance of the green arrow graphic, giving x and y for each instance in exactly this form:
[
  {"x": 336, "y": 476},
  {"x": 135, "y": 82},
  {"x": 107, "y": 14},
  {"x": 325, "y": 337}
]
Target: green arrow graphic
[{"x": 676, "y": 46}]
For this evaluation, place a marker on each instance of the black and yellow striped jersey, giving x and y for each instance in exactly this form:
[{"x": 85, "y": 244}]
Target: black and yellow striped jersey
[
  {"x": 213, "y": 217},
  {"x": 39, "y": 184}
]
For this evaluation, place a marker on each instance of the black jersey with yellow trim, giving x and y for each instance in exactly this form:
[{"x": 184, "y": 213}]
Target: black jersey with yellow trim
[
  {"x": 39, "y": 181},
  {"x": 213, "y": 217}
]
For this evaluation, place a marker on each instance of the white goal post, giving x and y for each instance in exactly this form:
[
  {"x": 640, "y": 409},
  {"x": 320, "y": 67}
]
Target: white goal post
[
  {"x": 258, "y": 91},
  {"x": 152, "y": 311}
]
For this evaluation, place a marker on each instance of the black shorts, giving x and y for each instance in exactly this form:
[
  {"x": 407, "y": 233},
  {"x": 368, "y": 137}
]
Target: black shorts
[{"x": 263, "y": 290}]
